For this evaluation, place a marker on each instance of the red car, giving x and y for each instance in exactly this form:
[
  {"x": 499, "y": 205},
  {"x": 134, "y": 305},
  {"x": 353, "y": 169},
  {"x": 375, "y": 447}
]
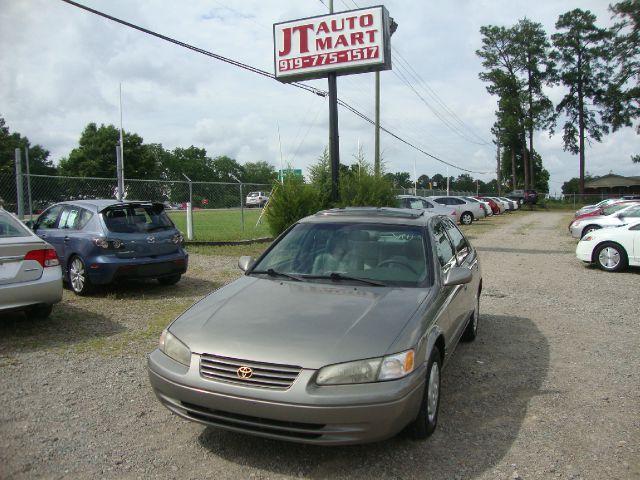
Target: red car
[
  {"x": 494, "y": 206},
  {"x": 608, "y": 209}
]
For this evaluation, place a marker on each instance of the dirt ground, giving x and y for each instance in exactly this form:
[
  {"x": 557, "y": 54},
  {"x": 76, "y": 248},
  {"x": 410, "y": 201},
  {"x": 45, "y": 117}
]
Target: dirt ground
[{"x": 549, "y": 389}]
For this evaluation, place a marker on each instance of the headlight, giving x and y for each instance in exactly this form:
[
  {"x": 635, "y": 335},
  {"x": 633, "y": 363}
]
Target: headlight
[
  {"x": 177, "y": 238},
  {"x": 367, "y": 371},
  {"x": 174, "y": 348}
]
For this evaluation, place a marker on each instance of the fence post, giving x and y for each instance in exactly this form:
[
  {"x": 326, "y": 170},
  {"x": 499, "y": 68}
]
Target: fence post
[
  {"x": 19, "y": 192},
  {"x": 189, "y": 210},
  {"x": 241, "y": 209},
  {"x": 26, "y": 155}
]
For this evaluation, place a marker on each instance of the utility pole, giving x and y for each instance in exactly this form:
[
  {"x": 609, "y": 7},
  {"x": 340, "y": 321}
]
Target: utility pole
[
  {"x": 376, "y": 161},
  {"x": 120, "y": 158},
  {"x": 334, "y": 140},
  {"x": 393, "y": 26}
]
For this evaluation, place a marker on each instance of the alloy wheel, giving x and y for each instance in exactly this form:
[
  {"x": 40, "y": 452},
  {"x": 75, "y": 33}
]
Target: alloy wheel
[
  {"x": 433, "y": 392},
  {"x": 77, "y": 275}
]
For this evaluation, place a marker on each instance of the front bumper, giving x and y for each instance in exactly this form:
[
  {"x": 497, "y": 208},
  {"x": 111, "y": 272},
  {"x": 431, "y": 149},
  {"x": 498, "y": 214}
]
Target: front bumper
[
  {"x": 584, "y": 251},
  {"x": 107, "y": 268},
  {"x": 305, "y": 413},
  {"x": 576, "y": 231}
]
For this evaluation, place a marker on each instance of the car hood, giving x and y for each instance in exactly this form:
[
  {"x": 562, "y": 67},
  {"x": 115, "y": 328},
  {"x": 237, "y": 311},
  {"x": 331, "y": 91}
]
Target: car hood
[{"x": 304, "y": 324}]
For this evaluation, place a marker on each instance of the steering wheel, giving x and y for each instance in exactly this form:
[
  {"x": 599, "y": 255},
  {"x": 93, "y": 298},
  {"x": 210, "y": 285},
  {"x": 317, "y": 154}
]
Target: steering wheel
[{"x": 402, "y": 263}]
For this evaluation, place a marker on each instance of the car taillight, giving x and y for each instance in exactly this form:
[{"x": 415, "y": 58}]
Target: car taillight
[{"x": 46, "y": 257}]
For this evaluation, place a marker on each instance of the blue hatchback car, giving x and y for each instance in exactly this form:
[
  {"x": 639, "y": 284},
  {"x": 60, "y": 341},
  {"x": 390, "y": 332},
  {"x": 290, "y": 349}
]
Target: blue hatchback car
[{"x": 102, "y": 241}]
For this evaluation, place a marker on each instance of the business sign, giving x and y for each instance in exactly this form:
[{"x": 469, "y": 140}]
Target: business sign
[{"x": 355, "y": 41}]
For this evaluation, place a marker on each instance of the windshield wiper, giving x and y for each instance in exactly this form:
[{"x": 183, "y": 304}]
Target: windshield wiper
[
  {"x": 338, "y": 277},
  {"x": 272, "y": 273}
]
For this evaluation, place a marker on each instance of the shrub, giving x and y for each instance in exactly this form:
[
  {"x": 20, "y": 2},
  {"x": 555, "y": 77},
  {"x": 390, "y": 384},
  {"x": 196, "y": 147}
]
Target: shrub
[{"x": 289, "y": 202}]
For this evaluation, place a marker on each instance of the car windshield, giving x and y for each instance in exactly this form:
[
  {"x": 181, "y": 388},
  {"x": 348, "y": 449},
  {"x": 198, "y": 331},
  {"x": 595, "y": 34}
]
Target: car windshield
[
  {"x": 362, "y": 253},
  {"x": 614, "y": 208},
  {"x": 11, "y": 228},
  {"x": 136, "y": 218}
]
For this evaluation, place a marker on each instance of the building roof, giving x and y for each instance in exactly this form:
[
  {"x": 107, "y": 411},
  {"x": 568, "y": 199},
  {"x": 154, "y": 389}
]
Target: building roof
[{"x": 611, "y": 181}]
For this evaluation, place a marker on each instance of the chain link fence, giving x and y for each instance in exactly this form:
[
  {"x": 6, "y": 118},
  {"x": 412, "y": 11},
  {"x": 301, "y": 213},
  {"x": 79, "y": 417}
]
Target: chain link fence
[{"x": 219, "y": 209}]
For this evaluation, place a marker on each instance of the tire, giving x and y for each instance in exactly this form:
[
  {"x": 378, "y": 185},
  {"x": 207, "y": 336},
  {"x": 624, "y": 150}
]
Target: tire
[
  {"x": 466, "y": 218},
  {"x": 589, "y": 229},
  {"x": 611, "y": 257},
  {"x": 427, "y": 420},
  {"x": 77, "y": 276},
  {"x": 471, "y": 332},
  {"x": 171, "y": 280},
  {"x": 39, "y": 312}
]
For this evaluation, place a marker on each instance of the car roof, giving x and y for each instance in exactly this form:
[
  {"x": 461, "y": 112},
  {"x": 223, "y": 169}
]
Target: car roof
[
  {"x": 387, "y": 215},
  {"x": 97, "y": 205}
]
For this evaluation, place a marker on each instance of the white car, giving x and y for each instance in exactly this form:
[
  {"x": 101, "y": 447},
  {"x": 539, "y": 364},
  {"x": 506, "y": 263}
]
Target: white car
[
  {"x": 421, "y": 203},
  {"x": 580, "y": 228},
  {"x": 591, "y": 208},
  {"x": 257, "y": 199},
  {"x": 467, "y": 211},
  {"x": 612, "y": 249},
  {"x": 485, "y": 205}
]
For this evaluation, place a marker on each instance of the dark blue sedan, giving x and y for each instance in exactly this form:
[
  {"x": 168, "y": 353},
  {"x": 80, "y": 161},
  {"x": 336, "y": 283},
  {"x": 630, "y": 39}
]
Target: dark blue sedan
[{"x": 102, "y": 241}]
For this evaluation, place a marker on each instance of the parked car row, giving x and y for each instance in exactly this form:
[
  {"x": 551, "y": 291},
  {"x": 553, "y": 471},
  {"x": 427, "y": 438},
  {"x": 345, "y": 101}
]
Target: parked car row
[
  {"x": 464, "y": 210},
  {"x": 608, "y": 233},
  {"x": 85, "y": 243}
]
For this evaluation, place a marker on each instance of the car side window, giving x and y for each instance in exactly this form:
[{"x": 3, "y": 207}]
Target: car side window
[
  {"x": 74, "y": 218},
  {"x": 444, "y": 250},
  {"x": 49, "y": 219},
  {"x": 459, "y": 242},
  {"x": 457, "y": 201}
]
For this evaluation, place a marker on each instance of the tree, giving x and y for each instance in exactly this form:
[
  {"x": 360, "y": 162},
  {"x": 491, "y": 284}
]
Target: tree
[
  {"x": 192, "y": 162},
  {"x": 464, "y": 182},
  {"x": 502, "y": 57},
  {"x": 581, "y": 51},
  {"x": 95, "y": 155},
  {"x": 423, "y": 182},
  {"x": 39, "y": 163},
  {"x": 259, "y": 172},
  {"x": 533, "y": 46},
  {"x": 399, "y": 179},
  {"x": 623, "y": 97}
]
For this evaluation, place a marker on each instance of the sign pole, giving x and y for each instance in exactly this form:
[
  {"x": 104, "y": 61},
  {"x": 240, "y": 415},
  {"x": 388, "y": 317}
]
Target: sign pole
[{"x": 334, "y": 139}]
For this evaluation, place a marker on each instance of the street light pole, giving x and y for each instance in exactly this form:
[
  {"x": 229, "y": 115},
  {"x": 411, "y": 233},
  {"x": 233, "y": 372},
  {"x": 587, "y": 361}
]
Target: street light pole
[{"x": 334, "y": 140}]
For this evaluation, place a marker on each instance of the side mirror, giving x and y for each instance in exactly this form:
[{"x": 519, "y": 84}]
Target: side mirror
[
  {"x": 245, "y": 262},
  {"x": 457, "y": 276},
  {"x": 30, "y": 224}
]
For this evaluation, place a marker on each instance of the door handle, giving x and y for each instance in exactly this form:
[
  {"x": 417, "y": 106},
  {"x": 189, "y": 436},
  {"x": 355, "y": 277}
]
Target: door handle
[
  {"x": 66, "y": 239},
  {"x": 43, "y": 235}
]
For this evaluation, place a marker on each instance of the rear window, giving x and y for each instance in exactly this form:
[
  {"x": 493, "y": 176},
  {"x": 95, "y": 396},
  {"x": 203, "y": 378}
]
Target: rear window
[
  {"x": 136, "y": 218},
  {"x": 11, "y": 228}
]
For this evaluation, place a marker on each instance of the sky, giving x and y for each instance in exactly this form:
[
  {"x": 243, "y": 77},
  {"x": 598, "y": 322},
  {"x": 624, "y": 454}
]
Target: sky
[{"x": 62, "y": 68}]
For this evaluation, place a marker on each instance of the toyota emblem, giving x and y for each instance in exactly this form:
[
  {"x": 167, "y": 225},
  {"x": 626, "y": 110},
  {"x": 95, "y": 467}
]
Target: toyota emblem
[
  {"x": 245, "y": 372},
  {"x": 151, "y": 239}
]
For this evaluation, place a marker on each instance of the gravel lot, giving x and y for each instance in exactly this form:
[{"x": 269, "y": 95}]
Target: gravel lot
[{"x": 550, "y": 388}]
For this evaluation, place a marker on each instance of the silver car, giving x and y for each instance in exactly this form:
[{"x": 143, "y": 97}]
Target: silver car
[
  {"x": 422, "y": 203},
  {"x": 337, "y": 334},
  {"x": 467, "y": 211},
  {"x": 30, "y": 273},
  {"x": 580, "y": 227}
]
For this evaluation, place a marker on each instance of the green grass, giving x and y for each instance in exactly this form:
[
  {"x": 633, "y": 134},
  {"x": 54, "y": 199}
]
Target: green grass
[
  {"x": 252, "y": 249},
  {"x": 223, "y": 225}
]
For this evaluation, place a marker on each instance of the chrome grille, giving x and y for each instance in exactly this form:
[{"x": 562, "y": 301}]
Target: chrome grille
[{"x": 264, "y": 375}]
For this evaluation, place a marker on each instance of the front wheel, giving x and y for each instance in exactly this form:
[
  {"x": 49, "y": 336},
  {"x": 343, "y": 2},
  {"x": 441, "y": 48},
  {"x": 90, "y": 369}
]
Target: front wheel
[
  {"x": 611, "y": 257},
  {"x": 78, "y": 278},
  {"x": 466, "y": 218},
  {"x": 427, "y": 420}
]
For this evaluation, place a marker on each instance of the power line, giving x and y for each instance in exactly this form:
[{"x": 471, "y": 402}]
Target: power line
[{"x": 263, "y": 73}]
